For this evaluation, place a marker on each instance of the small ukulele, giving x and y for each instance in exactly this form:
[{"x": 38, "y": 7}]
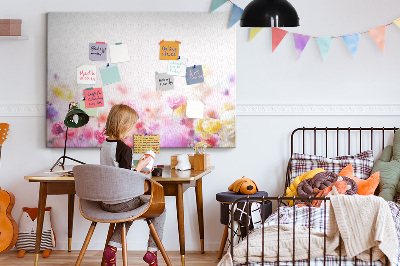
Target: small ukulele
[
  {"x": 3, "y": 135},
  {"x": 8, "y": 226}
]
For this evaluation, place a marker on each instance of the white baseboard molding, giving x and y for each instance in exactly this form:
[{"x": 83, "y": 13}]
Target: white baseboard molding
[{"x": 11, "y": 110}]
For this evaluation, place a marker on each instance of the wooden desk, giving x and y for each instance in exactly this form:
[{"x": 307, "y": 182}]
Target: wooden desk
[{"x": 175, "y": 183}]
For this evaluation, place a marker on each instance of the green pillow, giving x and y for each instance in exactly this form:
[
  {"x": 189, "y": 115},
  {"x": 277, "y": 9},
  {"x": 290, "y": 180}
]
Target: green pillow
[{"x": 389, "y": 170}]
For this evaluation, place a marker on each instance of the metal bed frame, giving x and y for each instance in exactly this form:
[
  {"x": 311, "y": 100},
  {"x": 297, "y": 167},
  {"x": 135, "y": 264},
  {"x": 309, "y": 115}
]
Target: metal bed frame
[{"x": 361, "y": 133}]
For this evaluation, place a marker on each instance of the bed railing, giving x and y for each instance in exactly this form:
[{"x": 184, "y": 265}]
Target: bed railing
[
  {"x": 328, "y": 142},
  {"x": 336, "y": 141},
  {"x": 263, "y": 200}
]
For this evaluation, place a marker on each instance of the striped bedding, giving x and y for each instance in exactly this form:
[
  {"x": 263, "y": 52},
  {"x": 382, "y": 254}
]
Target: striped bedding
[{"x": 317, "y": 223}]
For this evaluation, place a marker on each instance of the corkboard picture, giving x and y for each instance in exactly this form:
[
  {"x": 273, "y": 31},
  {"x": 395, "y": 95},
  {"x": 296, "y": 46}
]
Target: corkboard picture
[{"x": 134, "y": 41}]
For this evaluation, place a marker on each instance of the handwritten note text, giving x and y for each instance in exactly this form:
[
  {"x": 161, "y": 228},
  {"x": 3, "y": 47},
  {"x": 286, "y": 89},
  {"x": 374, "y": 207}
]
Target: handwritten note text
[
  {"x": 86, "y": 74},
  {"x": 169, "y": 50},
  {"x": 93, "y": 97},
  {"x": 194, "y": 75}
]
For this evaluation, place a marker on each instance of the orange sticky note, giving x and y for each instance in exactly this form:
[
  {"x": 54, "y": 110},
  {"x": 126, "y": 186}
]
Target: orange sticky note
[
  {"x": 169, "y": 50},
  {"x": 93, "y": 97}
]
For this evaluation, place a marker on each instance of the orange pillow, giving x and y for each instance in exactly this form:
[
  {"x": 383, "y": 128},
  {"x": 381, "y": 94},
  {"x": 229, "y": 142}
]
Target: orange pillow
[{"x": 365, "y": 187}]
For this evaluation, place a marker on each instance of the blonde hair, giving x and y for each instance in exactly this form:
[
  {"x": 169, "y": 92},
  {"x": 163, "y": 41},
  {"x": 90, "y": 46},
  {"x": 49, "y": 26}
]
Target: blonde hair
[{"x": 121, "y": 119}]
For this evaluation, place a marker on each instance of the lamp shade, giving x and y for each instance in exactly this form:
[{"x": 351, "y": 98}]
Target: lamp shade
[
  {"x": 76, "y": 118},
  {"x": 269, "y": 13}
]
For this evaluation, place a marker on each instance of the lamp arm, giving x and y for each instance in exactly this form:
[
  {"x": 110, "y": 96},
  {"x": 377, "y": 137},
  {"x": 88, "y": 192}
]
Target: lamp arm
[
  {"x": 64, "y": 157},
  {"x": 65, "y": 144},
  {"x": 73, "y": 106}
]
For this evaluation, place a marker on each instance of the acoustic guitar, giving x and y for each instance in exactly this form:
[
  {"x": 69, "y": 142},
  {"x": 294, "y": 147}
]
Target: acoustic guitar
[
  {"x": 3, "y": 135},
  {"x": 8, "y": 226}
]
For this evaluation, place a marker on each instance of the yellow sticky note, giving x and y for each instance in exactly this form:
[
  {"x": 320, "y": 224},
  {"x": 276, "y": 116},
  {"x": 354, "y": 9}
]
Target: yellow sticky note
[
  {"x": 144, "y": 143},
  {"x": 169, "y": 50}
]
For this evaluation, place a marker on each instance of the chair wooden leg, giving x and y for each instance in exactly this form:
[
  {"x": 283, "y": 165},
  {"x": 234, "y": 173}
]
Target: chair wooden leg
[
  {"x": 110, "y": 232},
  {"x": 86, "y": 243},
  {"x": 223, "y": 242},
  {"x": 160, "y": 246},
  {"x": 124, "y": 248}
]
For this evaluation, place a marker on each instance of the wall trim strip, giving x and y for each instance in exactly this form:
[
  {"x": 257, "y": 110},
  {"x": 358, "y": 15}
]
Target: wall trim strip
[
  {"x": 244, "y": 110},
  {"x": 22, "y": 109},
  {"x": 301, "y": 110}
]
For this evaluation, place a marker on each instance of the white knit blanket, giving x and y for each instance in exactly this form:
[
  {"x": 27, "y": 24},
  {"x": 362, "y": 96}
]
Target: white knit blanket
[{"x": 364, "y": 222}]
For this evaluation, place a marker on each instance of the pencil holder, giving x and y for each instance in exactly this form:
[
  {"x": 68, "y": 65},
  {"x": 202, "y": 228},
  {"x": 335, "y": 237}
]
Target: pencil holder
[{"x": 201, "y": 161}]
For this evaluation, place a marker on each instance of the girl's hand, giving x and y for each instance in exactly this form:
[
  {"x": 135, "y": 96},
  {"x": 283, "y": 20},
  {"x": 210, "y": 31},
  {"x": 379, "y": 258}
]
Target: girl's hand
[
  {"x": 144, "y": 161},
  {"x": 146, "y": 173}
]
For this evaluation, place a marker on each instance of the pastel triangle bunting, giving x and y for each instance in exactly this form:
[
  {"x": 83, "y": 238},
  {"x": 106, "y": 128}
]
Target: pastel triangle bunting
[
  {"x": 277, "y": 36},
  {"x": 379, "y": 35},
  {"x": 300, "y": 42},
  {"x": 324, "y": 44},
  {"x": 216, "y": 4},
  {"x": 397, "y": 22},
  {"x": 254, "y": 32},
  {"x": 352, "y": 42},
  {"x": 235, "y": 15}
]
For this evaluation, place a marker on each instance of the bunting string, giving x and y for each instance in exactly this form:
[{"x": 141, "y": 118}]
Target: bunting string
[
  {"x": 378, "y": 34},
  {"x": 315, "y": 37},
  {"x": 341, "y": 36}
]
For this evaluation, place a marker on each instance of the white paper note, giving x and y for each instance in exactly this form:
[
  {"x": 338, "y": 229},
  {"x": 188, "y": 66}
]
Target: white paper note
[
  {"x": 119, "y": 53},
  {"x": 177, "y": 67},
  {"x": 86, "y": 74},
  {"x": 195, "y": 109}
]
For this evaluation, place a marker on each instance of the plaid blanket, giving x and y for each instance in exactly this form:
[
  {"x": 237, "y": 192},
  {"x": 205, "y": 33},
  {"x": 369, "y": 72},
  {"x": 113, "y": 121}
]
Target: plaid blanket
[{"x": 287, "y": 216}]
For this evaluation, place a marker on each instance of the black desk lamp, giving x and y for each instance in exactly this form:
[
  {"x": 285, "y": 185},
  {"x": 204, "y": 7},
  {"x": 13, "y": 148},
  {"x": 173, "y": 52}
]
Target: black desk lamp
[
  {"x": 75, "y": 118},
  {"x": 269, "y": 13}
]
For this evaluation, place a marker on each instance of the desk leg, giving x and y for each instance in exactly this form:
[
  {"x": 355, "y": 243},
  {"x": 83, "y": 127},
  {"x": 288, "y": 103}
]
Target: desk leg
[
  {"x": 181, "y": 225},
  {"x": 71, "y": 201},
  {"x": 199, "y": 201},
  {"x": 40, "y": 219}
]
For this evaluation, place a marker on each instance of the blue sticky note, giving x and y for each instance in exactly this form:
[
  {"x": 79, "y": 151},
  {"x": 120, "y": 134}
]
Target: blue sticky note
[
  {"x": 110, "y": 74},
  {"x": 194, "y": 75}
]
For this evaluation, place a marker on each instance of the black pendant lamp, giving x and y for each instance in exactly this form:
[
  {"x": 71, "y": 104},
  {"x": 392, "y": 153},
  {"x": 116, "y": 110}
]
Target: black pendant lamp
[{"x": 269, "y": 13}]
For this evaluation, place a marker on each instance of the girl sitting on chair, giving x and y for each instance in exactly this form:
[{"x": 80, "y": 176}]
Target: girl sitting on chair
[{"x": 114, "y": 152}]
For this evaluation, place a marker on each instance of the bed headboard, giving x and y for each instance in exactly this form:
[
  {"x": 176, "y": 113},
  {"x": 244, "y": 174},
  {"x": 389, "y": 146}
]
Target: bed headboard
[{"x": 331, "y": 142}]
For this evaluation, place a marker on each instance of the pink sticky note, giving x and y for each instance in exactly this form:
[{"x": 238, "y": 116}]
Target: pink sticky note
[{"x": 93, "y": 97}]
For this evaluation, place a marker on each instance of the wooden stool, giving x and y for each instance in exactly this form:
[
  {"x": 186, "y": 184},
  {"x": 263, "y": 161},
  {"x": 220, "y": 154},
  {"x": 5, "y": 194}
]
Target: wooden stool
[{"x": 226, "y": 199}]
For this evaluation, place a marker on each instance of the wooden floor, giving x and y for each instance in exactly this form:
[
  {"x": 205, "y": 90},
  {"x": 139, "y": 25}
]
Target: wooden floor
[{"x": 93, "y": 258}]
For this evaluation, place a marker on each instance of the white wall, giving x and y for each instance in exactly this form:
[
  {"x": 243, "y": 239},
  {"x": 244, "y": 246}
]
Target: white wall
[{"x": 262, "y": 78}]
